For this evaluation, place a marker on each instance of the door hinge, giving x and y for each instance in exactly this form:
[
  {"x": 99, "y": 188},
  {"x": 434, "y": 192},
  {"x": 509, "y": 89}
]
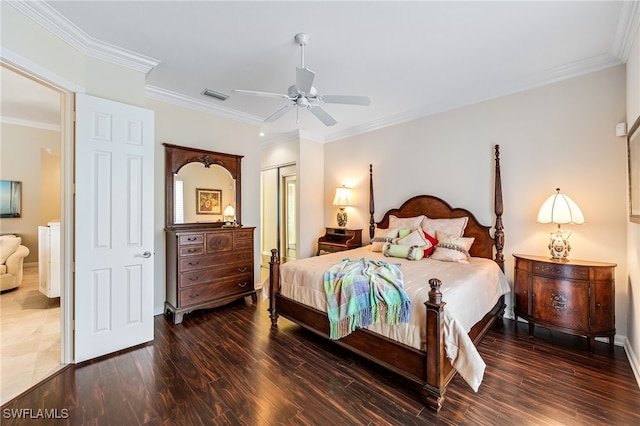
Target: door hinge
[{"x": 73, "y": 266}]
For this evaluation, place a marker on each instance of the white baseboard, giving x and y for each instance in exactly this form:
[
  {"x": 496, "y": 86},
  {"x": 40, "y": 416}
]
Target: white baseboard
[{"x": 633, "y": 360}]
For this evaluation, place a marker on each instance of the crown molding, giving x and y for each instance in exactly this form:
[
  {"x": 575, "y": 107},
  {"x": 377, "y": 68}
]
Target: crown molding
[
  {"x": 51, "y": 20},
  {"x": 626, "y": 30},
  {"x": 175, "y": 98},
  {"x": 29, "y": 123}
]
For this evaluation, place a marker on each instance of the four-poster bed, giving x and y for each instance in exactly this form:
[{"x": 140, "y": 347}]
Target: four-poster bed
[{"x": 426, "y": 363}]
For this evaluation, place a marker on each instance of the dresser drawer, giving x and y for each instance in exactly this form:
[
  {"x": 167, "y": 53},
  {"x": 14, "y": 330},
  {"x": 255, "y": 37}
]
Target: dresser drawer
[
  {"x": 210, "y": 274},
  {"x": 216, "y": 290},
  {"x": 242, "y": 244},
  {"x": 192, "y": 250},
  {"x": 185, "y": 239},
  {"x": 192, "y": 263},
  {"x": 549, "y": 269},
  {"x": 245, "y": 234},
  {"x": 219, "y": 241}
]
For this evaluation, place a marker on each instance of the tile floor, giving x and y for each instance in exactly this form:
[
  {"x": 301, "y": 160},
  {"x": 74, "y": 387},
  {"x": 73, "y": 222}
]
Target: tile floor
[{"x": 29, "y": 336}]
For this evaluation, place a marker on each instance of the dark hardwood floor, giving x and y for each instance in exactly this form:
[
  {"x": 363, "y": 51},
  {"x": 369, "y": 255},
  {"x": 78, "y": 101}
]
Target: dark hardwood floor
[{"x": 227, "y": 366}]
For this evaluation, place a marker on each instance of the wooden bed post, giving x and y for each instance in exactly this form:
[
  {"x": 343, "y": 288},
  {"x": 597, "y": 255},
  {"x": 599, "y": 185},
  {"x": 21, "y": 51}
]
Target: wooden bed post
[
  {"x": 274, "y": 286},
  {"x": 372, "y": 223},
  {"x": 435, "y": 365},
  {"x": 498, "y": 234}
]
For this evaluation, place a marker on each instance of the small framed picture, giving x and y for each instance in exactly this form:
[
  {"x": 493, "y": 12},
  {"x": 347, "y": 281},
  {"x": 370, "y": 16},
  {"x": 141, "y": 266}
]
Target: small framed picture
[{"x": 208, "y": 201}]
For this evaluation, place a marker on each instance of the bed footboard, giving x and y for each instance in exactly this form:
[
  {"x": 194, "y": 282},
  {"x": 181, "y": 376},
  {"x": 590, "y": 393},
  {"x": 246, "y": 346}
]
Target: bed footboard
[{"x": 430, "y": 369}]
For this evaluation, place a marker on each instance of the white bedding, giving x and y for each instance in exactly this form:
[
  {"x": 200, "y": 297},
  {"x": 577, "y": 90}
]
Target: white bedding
[{"x": 469, "y": 290}]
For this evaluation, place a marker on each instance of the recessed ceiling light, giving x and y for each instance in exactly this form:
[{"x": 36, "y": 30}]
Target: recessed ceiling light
[{"x": 215, "y": 95}]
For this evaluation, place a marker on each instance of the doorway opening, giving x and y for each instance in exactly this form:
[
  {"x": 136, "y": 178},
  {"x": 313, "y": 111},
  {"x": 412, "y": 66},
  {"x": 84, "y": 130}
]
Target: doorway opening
[{"x": 33, "y": 149}]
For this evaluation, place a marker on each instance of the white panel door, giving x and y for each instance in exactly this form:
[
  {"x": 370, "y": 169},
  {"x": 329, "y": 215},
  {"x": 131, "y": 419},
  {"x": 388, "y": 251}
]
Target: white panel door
[{"x": 113, "y": 303}]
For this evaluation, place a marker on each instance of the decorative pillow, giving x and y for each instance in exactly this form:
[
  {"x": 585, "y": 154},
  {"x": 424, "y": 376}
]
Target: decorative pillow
[
  {"x": 405, "y": 222},
  {"x": 418, "y": 238},
  {"x": 8, "y": 245},
  {"x": 404, "y": 232},
  {"x": 451, "y": 248},
  {"x": 382, "y": 236},
  {"x": 432, "y": 244},
  {"x": 454, "y": 226},
  {"x": 405, "y": 252}
]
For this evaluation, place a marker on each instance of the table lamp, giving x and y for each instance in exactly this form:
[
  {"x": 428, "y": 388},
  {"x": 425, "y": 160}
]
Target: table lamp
[
  {"x": 342, "y": 200},
  {"x": 561, "y": 210}
]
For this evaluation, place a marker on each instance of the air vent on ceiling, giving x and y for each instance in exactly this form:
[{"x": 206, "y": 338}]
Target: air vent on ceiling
[{"x": 214, "y": 94}]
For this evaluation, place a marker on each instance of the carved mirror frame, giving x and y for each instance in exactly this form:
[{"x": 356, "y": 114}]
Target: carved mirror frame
[{"x": 178, "y": 156}]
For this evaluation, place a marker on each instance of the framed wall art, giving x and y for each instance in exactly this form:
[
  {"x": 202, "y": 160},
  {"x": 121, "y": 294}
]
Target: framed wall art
[
  {"x": 10, "y": 198},
  {"x": 208, "y": 201}
]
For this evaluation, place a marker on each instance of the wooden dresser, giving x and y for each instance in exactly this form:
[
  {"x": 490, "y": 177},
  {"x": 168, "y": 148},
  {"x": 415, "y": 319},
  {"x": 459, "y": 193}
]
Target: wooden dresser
[
  {"x": 576, "y": 297},
  {"x": 208, "y": 268}
]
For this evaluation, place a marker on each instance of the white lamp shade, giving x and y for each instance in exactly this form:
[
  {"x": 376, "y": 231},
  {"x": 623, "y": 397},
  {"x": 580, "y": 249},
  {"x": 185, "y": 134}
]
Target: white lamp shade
[
  {"x": 560, "y": 209},
  {"x": 229, "y": 211},
  {"x": 343, "y": 197}
]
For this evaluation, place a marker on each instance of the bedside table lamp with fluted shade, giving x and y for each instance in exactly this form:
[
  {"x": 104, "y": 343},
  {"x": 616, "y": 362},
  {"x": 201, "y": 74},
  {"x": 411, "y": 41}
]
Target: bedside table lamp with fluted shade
[
  {"x": 342, "y": 200},
  {"x": 561, "y": 210}
]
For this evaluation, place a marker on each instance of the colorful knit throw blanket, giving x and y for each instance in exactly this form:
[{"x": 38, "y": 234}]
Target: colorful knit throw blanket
[{"x": 359, "y": 292}]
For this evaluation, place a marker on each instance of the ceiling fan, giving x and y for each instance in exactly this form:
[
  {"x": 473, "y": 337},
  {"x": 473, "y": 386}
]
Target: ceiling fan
[{"x": 304, "y": 95}]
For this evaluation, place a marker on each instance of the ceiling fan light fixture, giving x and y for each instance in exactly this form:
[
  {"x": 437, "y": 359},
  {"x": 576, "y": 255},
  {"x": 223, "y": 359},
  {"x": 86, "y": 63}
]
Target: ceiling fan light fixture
[{"x": 216, "y": 95}]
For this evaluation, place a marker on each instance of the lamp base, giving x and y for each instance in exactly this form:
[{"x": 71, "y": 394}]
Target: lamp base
[
  {"x": 342, "y": 217},
  {"x": 559, "y": 246}
]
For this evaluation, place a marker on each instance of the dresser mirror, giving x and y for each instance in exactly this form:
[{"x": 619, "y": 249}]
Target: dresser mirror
[{"x": 199, "y": 186}]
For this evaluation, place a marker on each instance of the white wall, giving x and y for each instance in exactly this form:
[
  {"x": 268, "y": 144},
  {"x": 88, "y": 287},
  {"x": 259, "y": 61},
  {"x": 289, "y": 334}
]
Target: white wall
[
  {"x": 186, "y": 127},
  {"x": 560, "y": 135},
  {"x": 20, "y": 160},
  {"x": 632, "y": 282},
  {"x": 309, "y": 159}
]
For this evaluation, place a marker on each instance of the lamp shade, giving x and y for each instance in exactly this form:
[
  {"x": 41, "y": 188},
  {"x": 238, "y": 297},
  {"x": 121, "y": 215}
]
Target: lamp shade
[
  {"x": 229, "y": 211},
  {"x": 560, "y": 209},
  {"x": 343, "y": 197}
]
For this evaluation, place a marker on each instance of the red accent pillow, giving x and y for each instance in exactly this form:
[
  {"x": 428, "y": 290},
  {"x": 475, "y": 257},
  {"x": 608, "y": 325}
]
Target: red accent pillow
[{"x": 432, "y": 240}]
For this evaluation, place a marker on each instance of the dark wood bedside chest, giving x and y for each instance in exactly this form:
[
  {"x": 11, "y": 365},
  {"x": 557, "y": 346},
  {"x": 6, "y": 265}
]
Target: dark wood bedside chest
[
  {"x": 339, "y": 239},
  {"x": 575, "y": 297}
]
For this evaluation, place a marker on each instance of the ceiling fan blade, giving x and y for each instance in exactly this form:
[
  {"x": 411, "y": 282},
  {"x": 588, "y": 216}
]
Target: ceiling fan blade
[
  {"x": 279, "y": 113},
  {"x": 304, "y": 79},
  {"x": 345, "y": 99},
  {"x": 322, "y": 115},
  {"x": 263, "y": 94}
]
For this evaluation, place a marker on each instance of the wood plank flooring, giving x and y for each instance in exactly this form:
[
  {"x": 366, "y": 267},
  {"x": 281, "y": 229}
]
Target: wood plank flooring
[{"x": 226, "y": 366}]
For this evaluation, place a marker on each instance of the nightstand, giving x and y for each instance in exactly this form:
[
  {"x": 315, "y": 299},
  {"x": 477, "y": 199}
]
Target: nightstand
[
  {"x": 575, "y": 297},
  {"x": 339, "y": 239}
]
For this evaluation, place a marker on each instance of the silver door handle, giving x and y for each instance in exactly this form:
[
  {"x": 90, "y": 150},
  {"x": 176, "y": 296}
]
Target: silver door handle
[{"x": 146, "y": 254}]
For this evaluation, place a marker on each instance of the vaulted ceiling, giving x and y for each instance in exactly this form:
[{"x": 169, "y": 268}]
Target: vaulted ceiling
[{"x": 412, "y": 58}]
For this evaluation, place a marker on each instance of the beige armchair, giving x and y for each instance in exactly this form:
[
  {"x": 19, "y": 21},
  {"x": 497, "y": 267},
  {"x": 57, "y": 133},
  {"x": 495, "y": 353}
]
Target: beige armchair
[{"x": 12, "y": 255}]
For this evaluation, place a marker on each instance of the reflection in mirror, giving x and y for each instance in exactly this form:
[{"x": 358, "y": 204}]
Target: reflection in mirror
[
  {"x": 199, "y": 186},
  {"x": 201, "y": 194}
]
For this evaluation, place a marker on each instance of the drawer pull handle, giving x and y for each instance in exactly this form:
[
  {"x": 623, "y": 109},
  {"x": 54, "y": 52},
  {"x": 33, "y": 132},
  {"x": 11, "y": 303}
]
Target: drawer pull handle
[
  {"x": 244, "y": 284},
  {"x": 242, "y": 256},
  {"x": 194, "y": 278},
  {"x": 192, "y": 250},
  {"x": 192, "y": 238},
  {"x": 194, "y": 263},
  {"x": 597, "y": 305},
  {"x": 194, "y": 295},
  {"x": 525, "y": 292},
  {"x": 242, "y": 269}
]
